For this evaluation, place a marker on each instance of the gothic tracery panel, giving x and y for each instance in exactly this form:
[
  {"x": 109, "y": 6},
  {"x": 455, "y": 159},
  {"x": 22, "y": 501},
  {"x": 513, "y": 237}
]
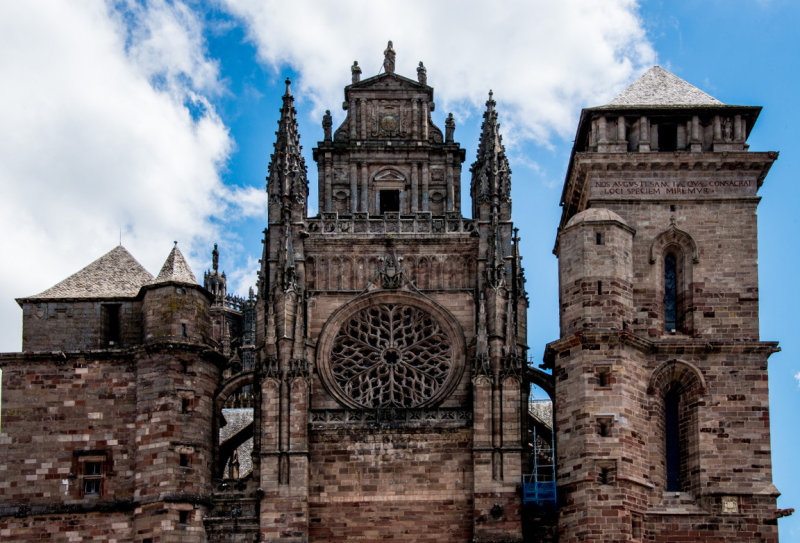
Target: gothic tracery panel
[{"x": 390, "y": 354}]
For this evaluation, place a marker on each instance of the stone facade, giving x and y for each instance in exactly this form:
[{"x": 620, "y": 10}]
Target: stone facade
[
  {"x": 373, "y": 386},
  {"x": 661, "y": 405}
]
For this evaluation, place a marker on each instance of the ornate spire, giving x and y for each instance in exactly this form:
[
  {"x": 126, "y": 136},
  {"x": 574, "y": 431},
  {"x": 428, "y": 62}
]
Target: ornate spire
[
  {"x": 287, "y": 183},
  {"x": 491, "y": 176}
]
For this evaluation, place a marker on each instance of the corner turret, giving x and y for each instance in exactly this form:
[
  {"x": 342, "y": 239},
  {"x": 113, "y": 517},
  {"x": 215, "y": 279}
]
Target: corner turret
[{"x": 176, "y": 307}]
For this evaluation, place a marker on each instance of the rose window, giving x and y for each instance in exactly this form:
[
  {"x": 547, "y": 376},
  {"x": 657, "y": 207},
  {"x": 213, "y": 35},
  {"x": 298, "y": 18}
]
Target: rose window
[{"x": 390, "y": 355}]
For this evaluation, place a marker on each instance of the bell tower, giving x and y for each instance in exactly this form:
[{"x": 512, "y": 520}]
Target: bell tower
[{"x": 660, "y": 374}]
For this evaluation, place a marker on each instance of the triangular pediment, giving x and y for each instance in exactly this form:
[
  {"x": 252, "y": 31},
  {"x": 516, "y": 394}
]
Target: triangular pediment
[
  {"x": 387, "y": 81},
  {"x": 389, "y": 175}
]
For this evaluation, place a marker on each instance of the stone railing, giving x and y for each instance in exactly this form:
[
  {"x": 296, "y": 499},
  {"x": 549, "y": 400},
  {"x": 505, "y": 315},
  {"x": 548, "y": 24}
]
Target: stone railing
[{"x": 423, "y": 222}]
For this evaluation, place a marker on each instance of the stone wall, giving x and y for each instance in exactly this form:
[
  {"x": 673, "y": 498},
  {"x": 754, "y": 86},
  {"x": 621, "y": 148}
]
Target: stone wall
[
  {"x": 77, "y": 325},
  {"x": 391, "y": 485}
]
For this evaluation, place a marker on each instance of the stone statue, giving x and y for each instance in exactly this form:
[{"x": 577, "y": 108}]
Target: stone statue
[
  {"x": 355, "y": 69},
  {"x": 449, "y": 128},
  {"x": 327, "y": 124},
  {"x": 388, "y": 58},
  {"x": 422, "y": 74},
  {"x": 215, "y": 258}
]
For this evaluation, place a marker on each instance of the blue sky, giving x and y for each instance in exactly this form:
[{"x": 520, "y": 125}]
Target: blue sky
[{"x": 154, "y": 121}]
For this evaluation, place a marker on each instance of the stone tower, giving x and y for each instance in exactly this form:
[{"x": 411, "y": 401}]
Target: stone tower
[
  {"x": 661, "y": 379},
  {"x": 391, "y": 328}
]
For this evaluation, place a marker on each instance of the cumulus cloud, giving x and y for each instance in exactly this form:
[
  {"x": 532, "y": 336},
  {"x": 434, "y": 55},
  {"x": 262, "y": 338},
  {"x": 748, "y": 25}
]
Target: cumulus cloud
[
  {"x": 545, "y": 60},
  {"x": 110, "y": 126},
  {"x": 108, "y": 131}
]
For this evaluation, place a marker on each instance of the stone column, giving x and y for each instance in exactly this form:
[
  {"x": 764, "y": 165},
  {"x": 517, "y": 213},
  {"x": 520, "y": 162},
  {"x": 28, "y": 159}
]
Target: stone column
[
  {"x": 362, "y": 110},
  {"x": 353, "y": 187},
  {"x": 644, "y": 135},
  {"x": 415, "y": 117},
  {"x": 414, "y": 188},
  {"x": 450, "y": 191},
  {"x": 696, "y": 142},
  {"x": 328, "y": 188},
  {"x": 425, "y": 121},
  {"x": 365, "y": 200},
  {"x": 425, "y": 180}
]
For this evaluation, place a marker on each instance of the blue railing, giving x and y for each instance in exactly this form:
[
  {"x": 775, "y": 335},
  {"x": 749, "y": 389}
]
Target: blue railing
[{"x": 541, "y": 493}]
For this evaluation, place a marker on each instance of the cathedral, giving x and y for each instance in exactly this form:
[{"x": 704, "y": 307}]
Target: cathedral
[{"x": 374, "y": 384}]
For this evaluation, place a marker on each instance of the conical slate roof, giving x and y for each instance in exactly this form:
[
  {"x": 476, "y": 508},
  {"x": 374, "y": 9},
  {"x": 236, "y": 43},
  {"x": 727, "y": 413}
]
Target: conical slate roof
[
  {"x": 175, "y": 269},
  {"x": 658, "y": 87},
  {"x": 116, "y": 274}
]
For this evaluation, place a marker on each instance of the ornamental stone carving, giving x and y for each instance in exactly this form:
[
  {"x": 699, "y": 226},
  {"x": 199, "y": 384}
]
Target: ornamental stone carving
[{"x": 391, "y": 350}]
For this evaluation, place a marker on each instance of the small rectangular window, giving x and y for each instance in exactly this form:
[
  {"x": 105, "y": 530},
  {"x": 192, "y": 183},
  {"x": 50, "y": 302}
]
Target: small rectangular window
[
  {"x": 183, "y": 330},
  {"x": 599, "y": 288},
  {"x": 111, "y": 324},
  {"x": 92, "y": 478},
  {"x": 389, "y": 201},
  {"x": 184, "y": 460},
  {"x": 604, "y": 377},
  {"x": 184, "y": 405},
  {"x": 183, "y": 517},
  {"x": 604, "y": 427},
  {"x": 598, "y": 238}
]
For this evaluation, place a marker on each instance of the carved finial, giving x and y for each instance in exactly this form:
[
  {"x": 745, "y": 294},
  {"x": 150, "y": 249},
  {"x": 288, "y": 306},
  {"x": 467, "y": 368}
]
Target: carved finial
[
  {"x": 327, "y": 124},
  {"x": 422, "y": 74},
  {"x": 176, "y": 245},
  {"x": 388, "y": 58},
  {"x": 490, "y": 103},
  {"x": 288, "y": 87},
  {"x": 215, "y": 258},
  {"x": 449, "y": 128},
  {"x": 355, "y": 70}
]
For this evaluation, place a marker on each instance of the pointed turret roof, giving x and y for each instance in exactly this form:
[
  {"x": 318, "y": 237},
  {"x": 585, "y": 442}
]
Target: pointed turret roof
[
  {"x": 116, "y": 274},
  {"x": 658, "y": 87},
  {"x": 175, "y": 269}
]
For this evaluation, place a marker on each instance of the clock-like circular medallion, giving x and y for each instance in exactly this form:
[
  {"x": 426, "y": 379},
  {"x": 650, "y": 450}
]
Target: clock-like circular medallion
[{"x": 389, "y": 124}]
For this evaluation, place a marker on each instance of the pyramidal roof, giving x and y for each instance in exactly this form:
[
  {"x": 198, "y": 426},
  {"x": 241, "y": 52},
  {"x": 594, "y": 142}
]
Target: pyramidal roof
[
  {"x": 175, "y": 269},
  {"x": 658, "y": 87},
  {"x": 116, "y": 274}
]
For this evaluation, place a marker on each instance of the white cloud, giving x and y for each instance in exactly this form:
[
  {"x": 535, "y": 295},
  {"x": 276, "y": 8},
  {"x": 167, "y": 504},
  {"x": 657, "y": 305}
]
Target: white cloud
[
  {"x": 797, "y": 378},
  {"x": 545, "y": 60},
  {"x": 107, "y": 128}
]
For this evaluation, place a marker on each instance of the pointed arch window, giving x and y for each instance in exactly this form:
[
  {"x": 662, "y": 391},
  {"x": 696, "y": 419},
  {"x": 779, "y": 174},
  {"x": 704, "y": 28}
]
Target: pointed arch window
[
  {"x": 675, "y": 253},
  {"x": 670, "y": 292},
  {"x": 672, "y": 441}
]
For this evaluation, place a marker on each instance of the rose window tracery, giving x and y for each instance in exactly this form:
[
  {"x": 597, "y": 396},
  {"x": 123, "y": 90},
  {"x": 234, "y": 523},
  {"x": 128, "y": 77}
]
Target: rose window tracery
[{"x": 391, "y": 355}]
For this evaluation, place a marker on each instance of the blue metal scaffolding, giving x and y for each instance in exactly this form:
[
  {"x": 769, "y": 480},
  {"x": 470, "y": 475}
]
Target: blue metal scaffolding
[{"x": 539, "y": 487}]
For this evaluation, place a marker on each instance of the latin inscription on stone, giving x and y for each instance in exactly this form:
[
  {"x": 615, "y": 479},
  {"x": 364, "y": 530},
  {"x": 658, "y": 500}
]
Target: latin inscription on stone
[{"x": 672, "y": 188}]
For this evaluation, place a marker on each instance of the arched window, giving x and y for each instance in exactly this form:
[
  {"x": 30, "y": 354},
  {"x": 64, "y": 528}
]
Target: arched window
[
  {"x": 677, "y": 389},
  {"x": 676, "y": 254},
  {"x": 672, "y": 441},
  {"x": 670, "y": 293}
]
